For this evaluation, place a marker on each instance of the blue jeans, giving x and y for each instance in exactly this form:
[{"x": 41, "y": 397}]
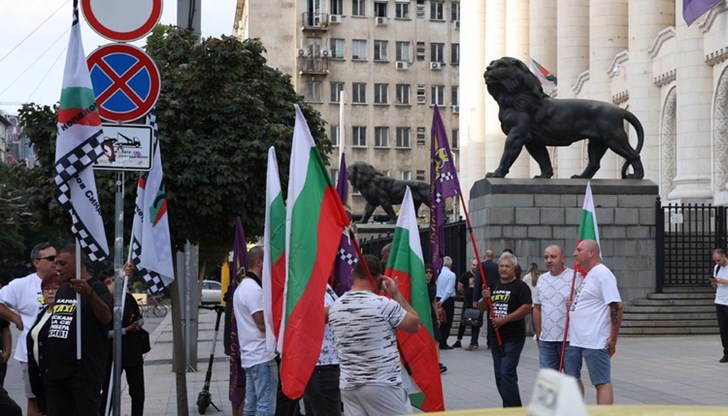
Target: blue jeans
[
  {"x": 261, "y": 382},
  {"x": 474, "y": 334},
  {"x": 549, "y": 356},
  {"x": 505, "y": 365}
]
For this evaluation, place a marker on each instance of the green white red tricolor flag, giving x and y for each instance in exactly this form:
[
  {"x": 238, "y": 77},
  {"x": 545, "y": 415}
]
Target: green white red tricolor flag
[
  {"x": 274, "y": 246},
  {"x": 315, "y": 219},
  {"x": 547, "y": 79},
  {"x": 588, "y": 229},
  {"x": 78, "y": 145},
  {"x": 419, "y": 353}
]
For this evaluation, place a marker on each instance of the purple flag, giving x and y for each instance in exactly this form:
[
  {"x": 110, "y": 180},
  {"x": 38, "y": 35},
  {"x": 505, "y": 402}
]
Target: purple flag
[
  {"x": 240, "y": 266},
  {"x": 346, "y": 257},
  {"x": 693, "y": 9},
  {"x": 443, "y": 184}
]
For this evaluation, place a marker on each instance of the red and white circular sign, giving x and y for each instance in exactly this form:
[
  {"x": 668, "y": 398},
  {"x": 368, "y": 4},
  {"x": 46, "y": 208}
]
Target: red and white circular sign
[{"x": 122, "y": 21}]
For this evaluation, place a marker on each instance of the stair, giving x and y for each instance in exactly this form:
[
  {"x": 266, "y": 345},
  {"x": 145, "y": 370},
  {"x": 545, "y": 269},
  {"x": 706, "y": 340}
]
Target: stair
[{"x": 677, "y": 311}]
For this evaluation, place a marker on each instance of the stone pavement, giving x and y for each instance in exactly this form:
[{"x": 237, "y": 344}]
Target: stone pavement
[{"x": 645, "y": 370}]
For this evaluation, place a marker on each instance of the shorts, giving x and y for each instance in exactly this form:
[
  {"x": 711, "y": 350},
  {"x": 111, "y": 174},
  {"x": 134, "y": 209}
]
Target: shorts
[
  {"x": 26, "y": 381},
  {"x": 261, "y": 385},
  {"x": 597, "y": 363}
]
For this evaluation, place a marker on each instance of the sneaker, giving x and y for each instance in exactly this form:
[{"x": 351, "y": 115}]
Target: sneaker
[
  {"x": 471, "y": 347},
  {"x": 442, "y": 368},
  {"x": 724, "y": 359},
  {"x": 445, "y": 347},
  {"x": 457, "y": 344}
]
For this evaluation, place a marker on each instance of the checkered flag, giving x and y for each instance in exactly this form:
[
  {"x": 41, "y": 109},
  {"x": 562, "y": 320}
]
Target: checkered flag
[
  {"x": 152, "y": 280},
  {"x": 78, "y": 145}
]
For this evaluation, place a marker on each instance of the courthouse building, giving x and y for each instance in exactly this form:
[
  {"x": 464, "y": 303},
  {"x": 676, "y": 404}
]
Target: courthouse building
[
  {"x": 394, "y": 59},
  {"x": 638, "y": 54}
]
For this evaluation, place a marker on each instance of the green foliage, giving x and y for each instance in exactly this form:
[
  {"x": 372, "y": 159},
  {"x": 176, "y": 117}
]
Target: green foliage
[{"x": 220, "y": 110}]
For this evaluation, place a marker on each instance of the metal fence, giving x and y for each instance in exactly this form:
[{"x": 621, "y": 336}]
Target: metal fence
[
  {"x": 686, "y": 237},
  {"x": 455, "y": 245}
]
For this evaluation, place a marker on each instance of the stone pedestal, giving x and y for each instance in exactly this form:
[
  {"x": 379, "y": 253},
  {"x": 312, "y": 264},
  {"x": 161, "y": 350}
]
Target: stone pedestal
[{"x": 527, "y": 215}]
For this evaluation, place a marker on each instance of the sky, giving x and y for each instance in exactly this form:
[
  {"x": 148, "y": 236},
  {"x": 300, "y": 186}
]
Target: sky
[{"x": 33, "y": 72}]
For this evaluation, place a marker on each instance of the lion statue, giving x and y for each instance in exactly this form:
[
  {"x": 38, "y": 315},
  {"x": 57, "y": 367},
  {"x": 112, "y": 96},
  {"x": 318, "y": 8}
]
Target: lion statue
[
  {"x": 532, "y": 119},
  {"x": 380, "y": 190}
]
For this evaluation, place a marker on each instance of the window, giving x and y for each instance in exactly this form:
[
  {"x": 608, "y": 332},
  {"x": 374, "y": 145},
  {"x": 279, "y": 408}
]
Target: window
[
  {"x": 420, "y": 137},
  {"x": 403, "y": 94},
  {"x": 385, "y": 172},
  {"x": 334, "y": 135},
  {"x": 381, "y": 136},
  {"x": 336, "y": 89},
  {"x": 313, "y": 91},
  {"x": 381, "y": 93},
  {"x": 420, "y": 175},
  {"x": 337, "y": 48},
  {"x": 357, "y": 7},
  {"x": 402, "y": 51},
  {"x": 406, "y": 175},
  {"x": 337, "y": 7},
  {"x": 421, "y": 94},
  {"x": 359, "y": 136},
  {"x": 455, "y": 53},
  {"x": 380, "y": 9},
  {"x": 437, "y": 52},
  {"x": 455, "y": 139},
  {"x": 401, "y": 10},
  {"x": 455, "y": 11},
  {"x": 437, "y": 10},
  {"x": 359, "y": 49},
  {"x": 455, "y": 95},
  {"x": 420, "y": 51},
  {"x": 403, "y": 137},
  {"x": 438, "y": 95},
  {"x": 380, "y": 50},
  {"x": 359, "y": 93}
]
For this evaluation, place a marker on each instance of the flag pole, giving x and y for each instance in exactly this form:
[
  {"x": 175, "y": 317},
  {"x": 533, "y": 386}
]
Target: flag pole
[
  {"x": 78, "y": 302},
  {"x": 566, "y": 324},
  {"x": 355, "y": 244}
]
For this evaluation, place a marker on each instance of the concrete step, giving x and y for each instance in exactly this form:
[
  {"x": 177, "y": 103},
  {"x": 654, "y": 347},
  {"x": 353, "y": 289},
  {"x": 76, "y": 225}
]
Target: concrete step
[
  {"x": 677, "y": 330},
  {"x": 686, "y": 295},
  {"x": 668, "y": 316},
  {"x": 690, "y": 289},
  {"x": 672, "y": 302},
  {"x": 669, "y": 309},
  {"x": 671, "y": 323}
]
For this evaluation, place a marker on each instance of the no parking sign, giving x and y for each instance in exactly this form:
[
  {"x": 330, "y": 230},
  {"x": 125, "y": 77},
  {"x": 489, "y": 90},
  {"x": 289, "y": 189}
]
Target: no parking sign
[{"x": 122, "y": 21}]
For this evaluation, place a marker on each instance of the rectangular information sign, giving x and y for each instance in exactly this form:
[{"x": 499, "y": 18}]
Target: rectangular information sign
[{"x": 126, "y": 147}]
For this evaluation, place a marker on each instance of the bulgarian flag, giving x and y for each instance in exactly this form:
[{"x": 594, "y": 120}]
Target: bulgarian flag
[
  {"x": 419, "y": 353},
  {"x": 548, "y": 80},
  {"x": 315, "y": 219},
  {"x": 588, "y": 229},
  {"x": 274, "y": 246}
]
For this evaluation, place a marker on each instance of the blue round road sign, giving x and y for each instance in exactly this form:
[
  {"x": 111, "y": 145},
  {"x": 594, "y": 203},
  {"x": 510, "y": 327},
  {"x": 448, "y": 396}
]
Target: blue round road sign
[{"x": 126, "y": 81}]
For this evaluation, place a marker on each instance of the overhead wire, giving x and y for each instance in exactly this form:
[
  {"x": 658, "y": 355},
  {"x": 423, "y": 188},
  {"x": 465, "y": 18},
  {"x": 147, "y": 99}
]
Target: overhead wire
[
  {"x": 46, "y": 74},
  {"x": 33, "y": 31}
]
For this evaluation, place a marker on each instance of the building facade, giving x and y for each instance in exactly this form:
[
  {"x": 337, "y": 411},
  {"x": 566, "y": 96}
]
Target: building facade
[
  {"x": 638, "y": 54},
  {"x": 393, "y": 60}
]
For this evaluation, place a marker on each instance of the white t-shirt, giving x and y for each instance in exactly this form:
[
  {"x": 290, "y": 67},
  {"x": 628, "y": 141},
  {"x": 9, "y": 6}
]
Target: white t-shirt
[
  {"x": 364, "y": 326},
  {"x": 329, "y": 354},
  {"x": 552, "y": 293},
  {"x": 248, "y": 299},
  {"x": 721, "y": 292},
  {"x": 589, "y": 323},
  {"x": 25, "y": 297}
]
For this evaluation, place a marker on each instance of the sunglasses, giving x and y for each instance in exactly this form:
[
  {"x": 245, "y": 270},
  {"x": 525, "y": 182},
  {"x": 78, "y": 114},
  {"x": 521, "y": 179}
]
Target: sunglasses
[{"x": 49, "y": 258}]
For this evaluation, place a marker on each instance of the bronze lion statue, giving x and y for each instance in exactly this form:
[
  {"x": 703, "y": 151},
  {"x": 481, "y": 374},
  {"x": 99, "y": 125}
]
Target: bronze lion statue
[
  {"x": 532, "y": 119},
  {"x": 380, "y": 190}
]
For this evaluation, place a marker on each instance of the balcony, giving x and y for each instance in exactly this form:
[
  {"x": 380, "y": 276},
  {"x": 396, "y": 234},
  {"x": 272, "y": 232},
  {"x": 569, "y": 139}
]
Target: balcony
[
  {"x": 309, "y": 65},
  {"x": 315, "y": 21}
]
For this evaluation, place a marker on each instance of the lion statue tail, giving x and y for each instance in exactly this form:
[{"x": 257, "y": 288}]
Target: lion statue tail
[{"x": 632, "y": 119}]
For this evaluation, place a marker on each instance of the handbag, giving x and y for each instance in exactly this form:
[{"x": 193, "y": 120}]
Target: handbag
[
  {"x": 143, "y": 337},
  {"x": 473, "y": 317}
]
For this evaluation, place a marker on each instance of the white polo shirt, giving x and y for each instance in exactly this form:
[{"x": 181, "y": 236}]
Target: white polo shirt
[{"x": 26, "y": 298}]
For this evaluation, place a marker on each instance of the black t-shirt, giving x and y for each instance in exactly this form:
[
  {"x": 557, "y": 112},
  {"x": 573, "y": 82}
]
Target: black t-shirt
[
  {"x": 468, "y": 281},
  {"x": 61, "y": 344},
  {"x": 506, "y": 299}
]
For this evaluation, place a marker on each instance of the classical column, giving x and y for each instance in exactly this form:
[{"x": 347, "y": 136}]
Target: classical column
[
  {"x": 495, "y": 18},
  {"x": 572, "y": 58},
  {"x": 516, "y": 45},
  {"x": 694, "y": 97},
  {"x": 607, "y": 38},
  {"x": 472, "y": 94},
  {"x": 646, "y": 19},
  {"x": 542, "y": 45}
]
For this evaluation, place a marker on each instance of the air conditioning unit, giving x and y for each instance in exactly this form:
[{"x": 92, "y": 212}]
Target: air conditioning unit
[
  {"x": 401, "y": 65},
  {"x": 301, "y": 52},
  {"x": 456, "y": 109},
  {"x": 457, "y": 24},
  {"x": 381, "y": 21},
  {"x": 435, "y": 66},
  {"x": 335, "y": 18},
  {"x": 325, "y": 53}
]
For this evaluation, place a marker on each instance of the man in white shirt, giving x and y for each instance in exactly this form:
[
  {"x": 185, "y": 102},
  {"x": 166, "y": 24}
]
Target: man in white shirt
[
  {"x": 595, "y": 318},
  {"x": 445, "y": 295},
  {"x": 719, "y": 281},
  {"x": 20, "y": 302},
  {"x": 549, "y": 307},
  {"x": 261, "y": 370}
]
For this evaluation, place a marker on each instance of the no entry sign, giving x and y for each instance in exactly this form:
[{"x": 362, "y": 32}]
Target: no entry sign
[
  {"x": 126, "y": 81},
  {"x": 122, "y": 20}
]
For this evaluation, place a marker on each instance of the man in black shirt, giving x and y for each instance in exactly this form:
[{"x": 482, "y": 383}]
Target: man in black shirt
[
  {"x": 465, "y": 286},
  {"x": 74, "y": 386}
]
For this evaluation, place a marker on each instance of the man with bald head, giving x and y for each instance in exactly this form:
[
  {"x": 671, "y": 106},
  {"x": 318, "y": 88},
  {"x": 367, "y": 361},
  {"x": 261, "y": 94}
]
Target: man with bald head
[{"x": 595, "y": 318}]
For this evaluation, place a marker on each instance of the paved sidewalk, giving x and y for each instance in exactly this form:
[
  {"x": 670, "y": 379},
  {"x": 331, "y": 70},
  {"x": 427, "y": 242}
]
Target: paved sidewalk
[{"x": 645, "y": 370}]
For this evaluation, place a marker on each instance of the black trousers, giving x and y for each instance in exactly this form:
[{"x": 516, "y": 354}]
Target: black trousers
[
  {"x": 722, "y": 312},
  {"x": 72, "y": 396},
  {"x": 449, "y": 307},
  {"x": 8, "y": 407},
  {"x": 322, "y": 396},
  {"x": 135, "y": 382}
]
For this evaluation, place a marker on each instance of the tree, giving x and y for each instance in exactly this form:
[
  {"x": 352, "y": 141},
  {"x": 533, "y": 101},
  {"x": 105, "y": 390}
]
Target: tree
[{"x": 219, "y": 111}]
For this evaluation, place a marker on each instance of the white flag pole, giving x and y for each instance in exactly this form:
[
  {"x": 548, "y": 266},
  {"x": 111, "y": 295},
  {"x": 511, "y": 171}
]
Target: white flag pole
[
  {"x": 78, "y": 302},
  {"x": 342, "y": 125}
]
